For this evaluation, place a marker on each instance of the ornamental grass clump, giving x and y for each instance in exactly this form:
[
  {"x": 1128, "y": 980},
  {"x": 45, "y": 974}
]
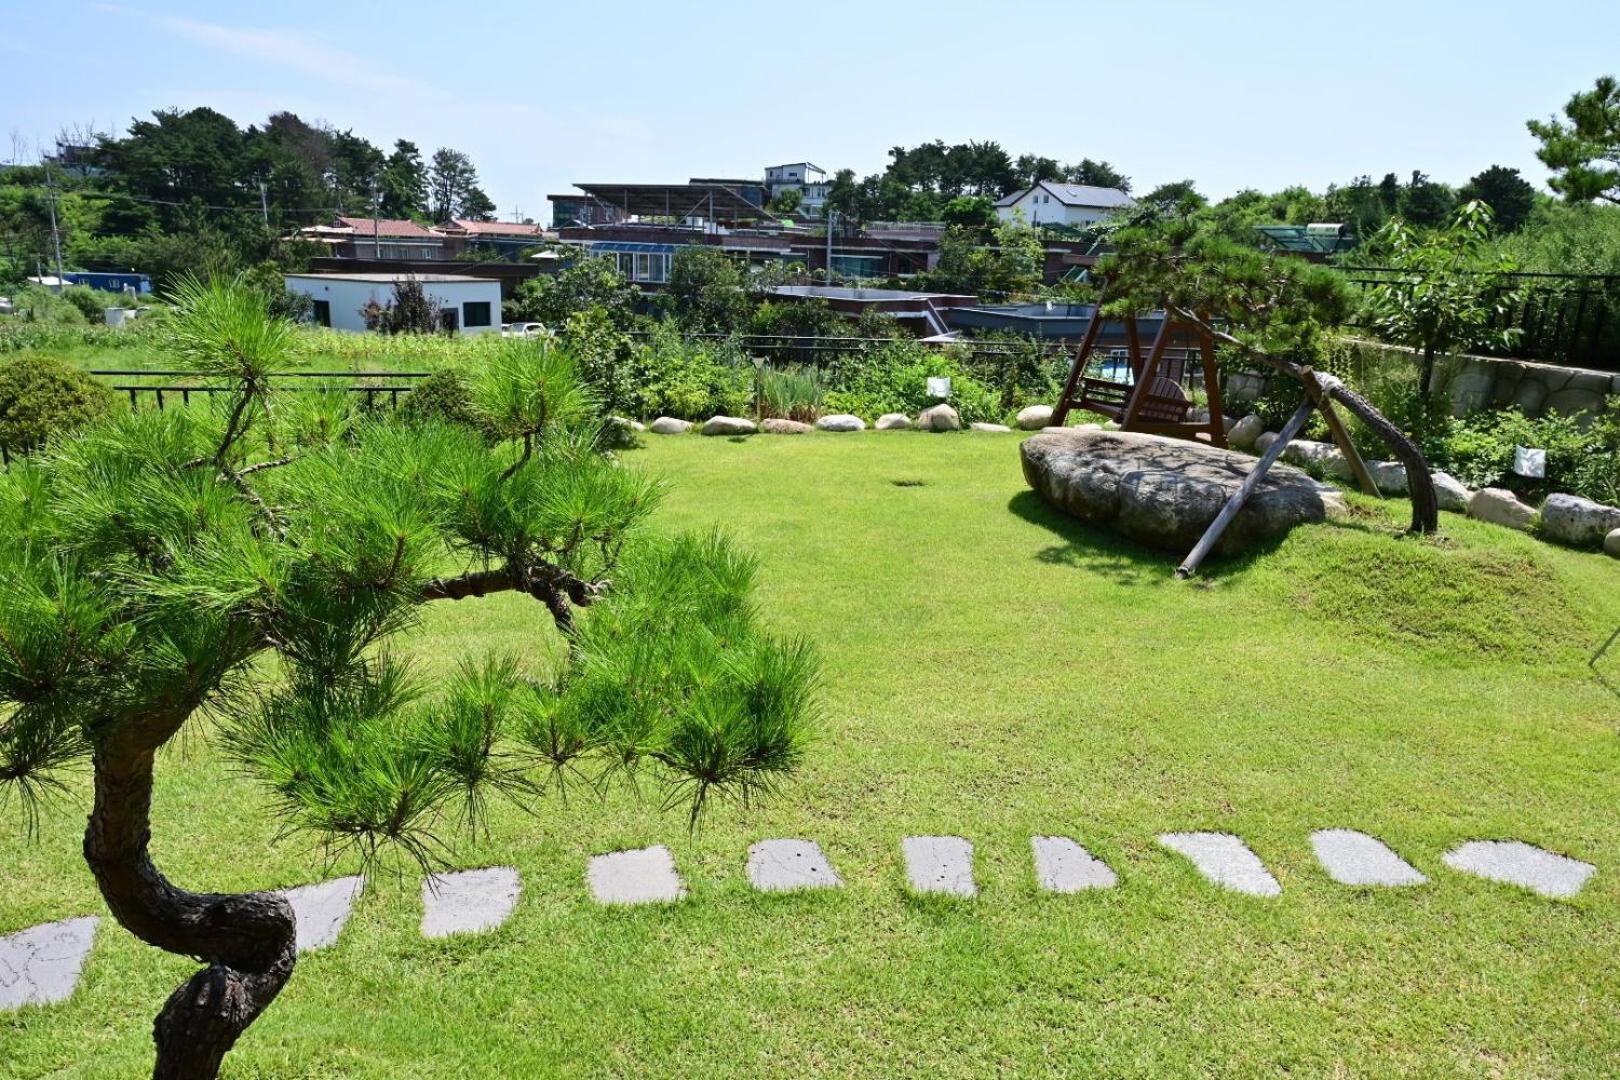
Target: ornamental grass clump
[{"x": 154, "y": 562}]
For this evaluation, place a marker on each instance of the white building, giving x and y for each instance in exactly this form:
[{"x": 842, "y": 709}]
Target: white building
[
  {"x": 472, "y": 305},
  {"x": 808, "y": 179},
  {"x": 1051, "y": 203}
]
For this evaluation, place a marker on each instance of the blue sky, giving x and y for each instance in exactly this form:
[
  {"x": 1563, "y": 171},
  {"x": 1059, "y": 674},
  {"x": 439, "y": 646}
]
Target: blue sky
[{"x": 1247, "y": 93}]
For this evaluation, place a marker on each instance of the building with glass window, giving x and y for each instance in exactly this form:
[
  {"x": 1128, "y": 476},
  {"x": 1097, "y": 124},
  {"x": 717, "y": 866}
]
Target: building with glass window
[{"x": 467, "y": 305}]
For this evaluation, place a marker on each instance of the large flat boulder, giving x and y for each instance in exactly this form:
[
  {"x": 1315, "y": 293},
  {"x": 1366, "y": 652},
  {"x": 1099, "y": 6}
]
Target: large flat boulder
[
  {"x": 1166, "y": 492},
  {"x": 1570, "y": 519}
]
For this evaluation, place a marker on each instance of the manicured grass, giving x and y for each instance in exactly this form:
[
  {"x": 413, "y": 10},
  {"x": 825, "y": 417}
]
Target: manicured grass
[{"x": 992, "y": 671}]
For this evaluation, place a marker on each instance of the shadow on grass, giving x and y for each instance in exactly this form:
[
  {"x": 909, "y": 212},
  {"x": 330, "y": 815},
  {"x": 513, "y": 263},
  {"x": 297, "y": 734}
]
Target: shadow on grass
[{"x": 1125, "y": 562}]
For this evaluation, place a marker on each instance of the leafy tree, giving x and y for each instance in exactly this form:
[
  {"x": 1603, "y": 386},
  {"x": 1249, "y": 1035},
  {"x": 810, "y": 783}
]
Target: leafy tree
[
  {"x": 1178, "y": 198},
  {"x": 786, "y": 202},
  {"x": 42, "y": 396},
  {"x": 404, "y": 182},
  {"x": 1425, "y": 203},
  {"x": 707, "y": 291},
  {"x": 1031, "y": 169},
  {"x": 583, "y": 283},
  {"x": 1445, "y": 297},
  {"x": 1098, "y": 174},
  {"x": 477, "y": 206},
  {"x": 1509, "y": 195},
  {"x": 451, "y": 177},
  {"x": 1584, "y": 154},
  {"x": 972, "y": 212},
  {"x": 167, "y": 569}
]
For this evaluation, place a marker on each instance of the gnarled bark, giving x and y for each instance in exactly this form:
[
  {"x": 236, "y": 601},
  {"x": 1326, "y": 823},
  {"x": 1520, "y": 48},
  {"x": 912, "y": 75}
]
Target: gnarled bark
[{"x": 247, "y": 941}]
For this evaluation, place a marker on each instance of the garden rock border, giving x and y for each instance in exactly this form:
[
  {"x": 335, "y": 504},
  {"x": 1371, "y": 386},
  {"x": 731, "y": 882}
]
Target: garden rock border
[{"x": 729, "y": 425}]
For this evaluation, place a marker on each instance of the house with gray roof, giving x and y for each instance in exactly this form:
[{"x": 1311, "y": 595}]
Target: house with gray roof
[{"x": 1051, "y": 203}]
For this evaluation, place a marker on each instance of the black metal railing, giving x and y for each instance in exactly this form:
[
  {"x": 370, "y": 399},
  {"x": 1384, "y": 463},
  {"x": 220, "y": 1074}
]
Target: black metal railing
[{"x": 159, "y": 389}]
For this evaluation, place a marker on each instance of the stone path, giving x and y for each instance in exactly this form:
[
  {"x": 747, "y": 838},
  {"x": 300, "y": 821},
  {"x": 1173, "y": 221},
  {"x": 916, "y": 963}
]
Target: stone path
[
  {"x": 322, "y": 910},
  {"x": 1514, "y": 862},
  {"x": 1354, "y": 858},
  {"x": 1224, "y": 860},
  {"x": 940, "y": 864},
  {"x": 788, "y": 865},
  {"x": 644, "y": 876},
  {"x": 41, "y": 965},
  {"x": 1063, "y": 866},
  {"x": 468, "y": 901}
]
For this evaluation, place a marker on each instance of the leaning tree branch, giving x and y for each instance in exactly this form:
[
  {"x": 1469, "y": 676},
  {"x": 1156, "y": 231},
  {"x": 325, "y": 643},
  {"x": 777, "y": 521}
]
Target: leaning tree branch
[
  {"x": 1425, "y": 505},
  {"x": 560, "y": 590}
]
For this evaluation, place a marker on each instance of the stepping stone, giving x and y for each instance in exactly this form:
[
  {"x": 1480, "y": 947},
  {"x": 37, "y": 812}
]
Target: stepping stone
[
  {"x": 786, "y": 865},
  {"x": 1063, "y": 866},
  {"x": 1225, "y": 860},
  {"x": 644, "y": 876},
  {"x": 1517, "y": 863},
  {"x": 41, "y": 965},
  {"x": 1354, "y": 858},
  {"x": 468, "y": 901},
  {"x": 939, "y": 864},
  {"x": 322, "y": 909}
]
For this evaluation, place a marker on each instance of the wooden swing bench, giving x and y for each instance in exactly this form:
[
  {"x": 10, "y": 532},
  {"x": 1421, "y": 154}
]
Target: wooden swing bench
[{"x": 1153, "y": 402}]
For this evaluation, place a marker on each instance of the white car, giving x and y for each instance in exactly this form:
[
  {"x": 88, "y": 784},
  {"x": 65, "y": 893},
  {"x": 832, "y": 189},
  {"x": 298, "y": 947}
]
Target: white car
[{"x": 523, "y": 329}]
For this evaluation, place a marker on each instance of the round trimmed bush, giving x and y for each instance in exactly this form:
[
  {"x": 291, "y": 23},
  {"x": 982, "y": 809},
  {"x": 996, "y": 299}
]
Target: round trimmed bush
[
  {"x": 41, "y": 396},
  {"x": 445, "y": 397}
]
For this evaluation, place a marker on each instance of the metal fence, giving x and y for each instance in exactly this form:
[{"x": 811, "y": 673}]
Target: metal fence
[
  {"x": 159, "y": 389},
  {"x": 1569, "y": 319}
]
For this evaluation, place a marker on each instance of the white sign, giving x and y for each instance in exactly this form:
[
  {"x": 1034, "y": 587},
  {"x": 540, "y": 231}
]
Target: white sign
[
  {"x": 939, "y": 387},
  {"x": 1530, "y": 463}
]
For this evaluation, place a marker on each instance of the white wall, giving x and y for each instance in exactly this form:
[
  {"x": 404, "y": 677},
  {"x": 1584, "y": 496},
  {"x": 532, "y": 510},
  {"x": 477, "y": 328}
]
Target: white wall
[{"x": 348, "y": 297}]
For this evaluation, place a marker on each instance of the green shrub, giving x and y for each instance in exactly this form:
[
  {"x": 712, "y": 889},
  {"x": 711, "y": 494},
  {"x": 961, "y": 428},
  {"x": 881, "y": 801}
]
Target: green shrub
[
  {"x": 35, "y": 305},
  {"x": 92, "y": 303},
  {"x": 1478, "y": 450},
  {"x": 791, "y": 393},
  {"x": 690, "y": 380},
  {"x": 41, "y": 397},
  {"x": 445, "y": 397},
  {"x": 894, "y": 378}
]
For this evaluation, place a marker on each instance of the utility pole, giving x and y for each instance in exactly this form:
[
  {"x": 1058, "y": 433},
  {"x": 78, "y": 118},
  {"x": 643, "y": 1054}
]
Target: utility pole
[
  {"x": 56, "y": 236},
  {"x": 831, "y": 217},
  {"x": 264, "y": 204},
  {"x": 376, "y": 226}
]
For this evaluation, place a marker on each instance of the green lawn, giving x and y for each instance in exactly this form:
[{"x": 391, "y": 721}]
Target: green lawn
[{"x": 992, "y": 671}]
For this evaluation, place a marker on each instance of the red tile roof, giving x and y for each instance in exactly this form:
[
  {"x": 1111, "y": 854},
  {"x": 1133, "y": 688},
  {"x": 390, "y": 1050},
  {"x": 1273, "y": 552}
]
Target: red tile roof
[{"x": 387, "y": 227}]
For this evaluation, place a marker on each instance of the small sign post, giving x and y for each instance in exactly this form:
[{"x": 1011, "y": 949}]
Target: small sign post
[{"x": 939, "y": 387}]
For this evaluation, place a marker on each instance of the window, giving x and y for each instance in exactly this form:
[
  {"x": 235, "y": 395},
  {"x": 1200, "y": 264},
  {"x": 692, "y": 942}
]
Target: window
[
  {"x": 323, "y": 313},
  {"x": 475, "y": 313}
]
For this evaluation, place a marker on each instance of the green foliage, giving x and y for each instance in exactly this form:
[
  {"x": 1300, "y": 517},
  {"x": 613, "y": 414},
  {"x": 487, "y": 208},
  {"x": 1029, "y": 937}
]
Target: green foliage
[
  {"x": 585, "y": 282},
  {"x": 692, "y": 380},
  {"x": 894, "y": 378},
  {"x": 444, "y": 397},
  {"x": 42, "y": 306},
  {"x": 707, "y": 291},
  {"x": 1584, "y": 153},
  {"x": 92, "y": 303},
  {"x": 791, "y": 393},
  {"x": 1581, "y": 460},
  {"x": 1510, "y": 196},
  {"x": 41, "y": 397}
]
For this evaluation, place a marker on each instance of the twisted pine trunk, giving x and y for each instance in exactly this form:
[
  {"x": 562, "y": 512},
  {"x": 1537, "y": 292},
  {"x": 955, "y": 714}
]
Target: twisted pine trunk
[{"x": 247, "y": 941}]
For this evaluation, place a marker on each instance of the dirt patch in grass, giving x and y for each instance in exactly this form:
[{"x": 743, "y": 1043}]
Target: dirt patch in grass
[{"x": 1500, "y": 603}]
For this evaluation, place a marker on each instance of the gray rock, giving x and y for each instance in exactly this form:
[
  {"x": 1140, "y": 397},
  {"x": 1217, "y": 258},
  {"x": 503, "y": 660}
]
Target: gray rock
[
  {"x": 1500, "y": 507},
  {"x": 1224, "y": 860},
  {"x": 841, "y": 422},
  {"x": 1514, "y": 862},
  {"x": 939, "y": 418},
  {"x": 1166, "y": 492},
  {"x": 625, "y": 421},
  {"x": 643, "y": 876},
  {"x": 322, "y": 910},
  {"x": 468, "y": 901},
  {"x": 1325, "y": 457},
  {"x": 41, "y": 965},
  {"x": 1264, "y": 441},
  {"x": 1578, "y": 522},
  {"x": 939, "y": 864},
  {"x": 1246, "y": 431},
  {"x": 893, "y": 422},
  {"x": 1354, "y": 858},
  {"x": 668, "y": 425},
  {"x": 993, "y": 429},
  {"x": 775, "y": 426},
  {"x": 788, "y": 865},
  {"x": 1063, "y": 866},
  {"x": 1390, "y": 476},
  {"x": 1450, "y": 493},
  {"x": 1034, "y": 417},
  {"x": 1611, "y": 544},
  {"x": 728, "y": 425}
]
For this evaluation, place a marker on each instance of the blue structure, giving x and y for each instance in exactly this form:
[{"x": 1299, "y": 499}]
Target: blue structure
[{"x": 108, "y": 282}]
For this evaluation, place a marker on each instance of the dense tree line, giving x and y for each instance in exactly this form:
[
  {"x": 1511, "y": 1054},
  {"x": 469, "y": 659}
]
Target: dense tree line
[{"x": 190, "y": 190}]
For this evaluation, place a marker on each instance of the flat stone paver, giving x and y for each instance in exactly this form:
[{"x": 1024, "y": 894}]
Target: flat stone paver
[
  {"x": 642, "y": 876},
  {"x": 1514, "y": 862},
  {"x": 1354, "y": 858},
  {"x": 41, "y": 965},
  {"x": 1225, "y": 860},
  {"x": 1063, "y": 866},
  {"x": 322, "y": 909},
  {"x": 787, "y": 865},
  {"x": 469, "y": 901},
  {"x": 939, "y": 864}
]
